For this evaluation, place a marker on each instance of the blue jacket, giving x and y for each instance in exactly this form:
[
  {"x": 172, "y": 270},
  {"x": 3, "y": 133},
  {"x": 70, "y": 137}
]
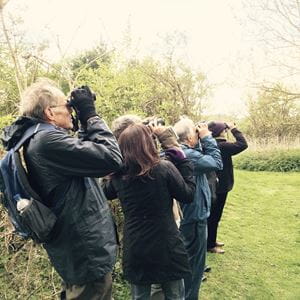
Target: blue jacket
[{"x": 205, "y": 157}]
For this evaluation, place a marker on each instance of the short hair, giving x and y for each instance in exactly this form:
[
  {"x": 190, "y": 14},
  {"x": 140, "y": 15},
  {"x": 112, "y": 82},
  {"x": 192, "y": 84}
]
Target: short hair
[
  {"x": 184, "y": 129},
  {"x": 38, "y": 96},
  {"x": 138, "y": 150},
  {"x": 121, "y": 123}
]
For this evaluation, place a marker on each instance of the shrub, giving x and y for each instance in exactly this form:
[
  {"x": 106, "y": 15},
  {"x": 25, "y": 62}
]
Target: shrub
[
  {"x": 270, "y": 160},
  {"x": 6, "y": 120}
]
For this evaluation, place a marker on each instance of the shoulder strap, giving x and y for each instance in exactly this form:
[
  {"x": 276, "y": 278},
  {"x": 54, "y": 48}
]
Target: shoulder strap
[{"x": 31, "y": 131}]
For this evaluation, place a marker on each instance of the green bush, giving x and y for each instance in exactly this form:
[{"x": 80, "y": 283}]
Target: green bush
[
  {"x": 6, "y": 120},
  {"x": 270, "y": 160}
]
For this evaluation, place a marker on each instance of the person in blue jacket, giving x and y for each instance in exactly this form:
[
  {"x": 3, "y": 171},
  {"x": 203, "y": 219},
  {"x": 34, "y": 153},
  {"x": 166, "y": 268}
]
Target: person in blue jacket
[{"x": 201, "y": 148}]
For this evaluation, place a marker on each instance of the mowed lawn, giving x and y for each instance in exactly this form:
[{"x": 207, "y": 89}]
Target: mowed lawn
[{"x": 261, "y": 231}]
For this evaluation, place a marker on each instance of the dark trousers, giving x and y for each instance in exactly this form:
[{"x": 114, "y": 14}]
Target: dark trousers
[
  {"x": 96, "y": 290},
  {"x": 214, "y": 219},
  {"x": 194, "y": 237}
]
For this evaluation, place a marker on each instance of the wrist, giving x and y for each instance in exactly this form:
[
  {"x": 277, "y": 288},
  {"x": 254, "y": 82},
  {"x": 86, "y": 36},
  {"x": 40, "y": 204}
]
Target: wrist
[{"x": 84, "y": 116}]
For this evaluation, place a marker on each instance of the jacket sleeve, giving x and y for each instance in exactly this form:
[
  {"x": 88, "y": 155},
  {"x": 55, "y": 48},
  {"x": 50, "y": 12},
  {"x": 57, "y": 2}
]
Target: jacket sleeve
[
  {"x": 209, "y": 159},
  {"x": 238, "y": 146},
  {"x": 181, "y": 182},
  {"x": 96, "y": 155}
]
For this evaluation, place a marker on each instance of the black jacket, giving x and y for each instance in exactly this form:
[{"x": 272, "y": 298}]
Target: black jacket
[
  {"x": 153, "y": 249},
  {"x": 61, "y": 169},
  {"x": 228, "y": 149}
]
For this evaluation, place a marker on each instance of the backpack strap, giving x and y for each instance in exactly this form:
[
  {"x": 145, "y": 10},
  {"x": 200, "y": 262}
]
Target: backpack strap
[{"x": 31, "y": 131}]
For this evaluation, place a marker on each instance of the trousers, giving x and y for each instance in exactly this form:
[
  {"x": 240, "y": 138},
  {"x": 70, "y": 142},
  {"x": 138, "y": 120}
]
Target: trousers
[
  {"x": 214, "y": 219},
  {"x": 171, "y": 290},
  {"x": 194, "y": 237},
  {"x": 96, "y": 290}
]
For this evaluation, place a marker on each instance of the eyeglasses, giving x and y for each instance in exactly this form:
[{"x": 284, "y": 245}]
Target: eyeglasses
[{"x": 67, "y": 105}]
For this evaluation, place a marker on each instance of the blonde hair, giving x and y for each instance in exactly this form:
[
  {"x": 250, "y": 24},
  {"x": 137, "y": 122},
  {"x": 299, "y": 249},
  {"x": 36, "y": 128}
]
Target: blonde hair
[
  {"x": 121, "y": 123},
  {"x": 38, "y": 96}
]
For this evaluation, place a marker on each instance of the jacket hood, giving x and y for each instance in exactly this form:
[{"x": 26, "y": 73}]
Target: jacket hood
[{"x": 12, "y": 134}]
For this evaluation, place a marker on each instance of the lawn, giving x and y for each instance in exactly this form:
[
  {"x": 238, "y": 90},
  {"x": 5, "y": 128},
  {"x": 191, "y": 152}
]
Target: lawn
[{"x": 260, "y": 228}]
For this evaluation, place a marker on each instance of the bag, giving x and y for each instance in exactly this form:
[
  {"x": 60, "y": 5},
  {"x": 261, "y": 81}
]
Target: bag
[{"x": 28, "y": 215}]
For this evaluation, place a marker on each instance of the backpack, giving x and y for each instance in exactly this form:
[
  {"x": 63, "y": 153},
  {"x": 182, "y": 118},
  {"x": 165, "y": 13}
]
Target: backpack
[{"x": 34, "y": 220}]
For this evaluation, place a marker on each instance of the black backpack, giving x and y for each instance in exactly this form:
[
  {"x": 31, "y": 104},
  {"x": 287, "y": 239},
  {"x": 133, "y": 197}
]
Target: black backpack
[{"x": 34, "y": 220}]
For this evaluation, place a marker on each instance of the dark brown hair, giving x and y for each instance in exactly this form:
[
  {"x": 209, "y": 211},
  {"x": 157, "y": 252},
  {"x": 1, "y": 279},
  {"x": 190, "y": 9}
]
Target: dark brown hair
[{"x": 138, "y": 150}]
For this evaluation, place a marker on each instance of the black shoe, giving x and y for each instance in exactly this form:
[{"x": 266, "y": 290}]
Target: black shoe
[
  {"x": 207, "y": 268},
  {"x": 204, "y": 278}
]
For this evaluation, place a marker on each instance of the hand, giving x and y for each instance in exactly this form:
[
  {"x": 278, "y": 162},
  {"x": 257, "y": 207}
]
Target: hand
[
  {"x": 156, "y": 128},
  {"x": 166, "y": 136},
  {"x": 202, "y": 130},
  {"x": 82, "y": 99},
  {"x": 231, "y": 125}
]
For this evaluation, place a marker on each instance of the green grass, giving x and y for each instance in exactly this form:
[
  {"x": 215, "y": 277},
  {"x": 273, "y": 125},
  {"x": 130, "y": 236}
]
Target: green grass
[{"x": 260, "y": 228}]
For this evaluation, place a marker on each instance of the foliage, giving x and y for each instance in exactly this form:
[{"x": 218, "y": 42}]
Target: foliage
[
  {"x": 6, "y": 120},
  {"x": 269, "y": 160},
  {"x": 146, "y": 87},
  {"x": 274, "y": 112}
]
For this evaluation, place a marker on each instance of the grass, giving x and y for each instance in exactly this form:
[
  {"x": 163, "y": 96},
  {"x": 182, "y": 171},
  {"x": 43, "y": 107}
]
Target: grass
[{"x": 260, "y": 228}]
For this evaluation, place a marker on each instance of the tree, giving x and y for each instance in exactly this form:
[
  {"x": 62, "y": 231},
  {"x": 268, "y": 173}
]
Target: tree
[
  {"x": 147, "y": 87},
  {"x": 274, "y": 113},
  {"x": 277, "y": 29}
]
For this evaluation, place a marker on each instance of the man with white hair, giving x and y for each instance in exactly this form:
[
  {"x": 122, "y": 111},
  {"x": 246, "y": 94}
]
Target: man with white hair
[
  {"x": 198, "y": 146},
  {"x": 62, "y": 169}
]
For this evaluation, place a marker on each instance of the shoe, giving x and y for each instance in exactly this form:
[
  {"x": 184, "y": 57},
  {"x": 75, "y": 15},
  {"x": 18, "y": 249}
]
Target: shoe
[
  {"x": 219, "y": 244},
  {"x": 204, "y": 278},
  {"x": 216, "y": 250},
  {"x": 207, "y": 269}
]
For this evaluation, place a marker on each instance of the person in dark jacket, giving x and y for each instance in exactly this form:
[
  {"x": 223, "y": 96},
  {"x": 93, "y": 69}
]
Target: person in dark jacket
[
  {"x": 63, "y": 170},
  {"x": 198, "y": 146},
  {"x": 153, "y": 251},
  {"x": 225, "y": 178}
]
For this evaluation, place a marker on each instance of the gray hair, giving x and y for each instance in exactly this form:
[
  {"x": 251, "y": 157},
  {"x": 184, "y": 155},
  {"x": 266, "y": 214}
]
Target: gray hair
[
  {"x": 38, "y": 96},
  {"x": 184, "y": 129},
  {"x": 121, "y": 123}
]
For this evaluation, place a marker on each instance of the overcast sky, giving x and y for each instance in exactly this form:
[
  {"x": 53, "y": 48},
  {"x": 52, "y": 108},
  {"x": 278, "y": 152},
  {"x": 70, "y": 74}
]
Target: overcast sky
[{"x": 216, "y": 42}]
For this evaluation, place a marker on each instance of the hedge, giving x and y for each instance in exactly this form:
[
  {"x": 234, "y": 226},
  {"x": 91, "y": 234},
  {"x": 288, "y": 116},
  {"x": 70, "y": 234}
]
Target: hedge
[{"x": 269, "y": 160}]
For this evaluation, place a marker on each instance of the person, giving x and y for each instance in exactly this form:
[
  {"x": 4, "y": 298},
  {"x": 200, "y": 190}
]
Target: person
[
  {"x": 225, "y": 178},
  {"x": 198, "y": 146},
  {"x": 164, "y": 139},
  {"x": 63, "y": 169},
  {"x": 153, "y": 251},
  {"x": 119, "y": 124}
]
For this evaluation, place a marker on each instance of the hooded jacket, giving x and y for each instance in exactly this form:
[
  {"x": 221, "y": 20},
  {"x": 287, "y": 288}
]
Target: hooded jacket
[
  {"x": 204, "y": 160},
  {"x": 153, "y": 250},
  {"x": 63, "y": 169}
]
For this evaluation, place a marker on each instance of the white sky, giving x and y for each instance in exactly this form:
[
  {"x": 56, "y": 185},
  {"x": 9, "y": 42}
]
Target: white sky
[{"x": 216, "y": 42}]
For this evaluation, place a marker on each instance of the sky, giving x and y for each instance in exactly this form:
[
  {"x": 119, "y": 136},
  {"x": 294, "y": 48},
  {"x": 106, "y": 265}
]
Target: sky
[{"x": 216, "y": 37}]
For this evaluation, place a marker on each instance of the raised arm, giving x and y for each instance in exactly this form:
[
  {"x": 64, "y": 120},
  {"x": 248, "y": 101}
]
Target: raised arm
[{"x": 236, "y": 147}]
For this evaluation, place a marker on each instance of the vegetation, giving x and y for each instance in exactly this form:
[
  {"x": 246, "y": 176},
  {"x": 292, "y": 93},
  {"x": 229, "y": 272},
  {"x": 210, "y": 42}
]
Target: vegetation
[
  {"x": 260, "y": 228},
  {"x": 274, "y": 112},
  {"x": 269, "y": 160}
]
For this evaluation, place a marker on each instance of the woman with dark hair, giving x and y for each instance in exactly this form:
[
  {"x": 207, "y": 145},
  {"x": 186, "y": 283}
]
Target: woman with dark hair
[{"x": 153, "y": 250}]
